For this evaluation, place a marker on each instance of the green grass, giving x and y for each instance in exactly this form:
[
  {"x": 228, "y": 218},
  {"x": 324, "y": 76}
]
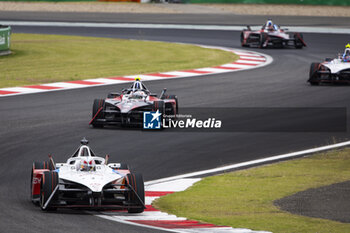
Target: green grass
[
  {"x": 50, "y": 58},
  {"x": 245, "y": 198}
]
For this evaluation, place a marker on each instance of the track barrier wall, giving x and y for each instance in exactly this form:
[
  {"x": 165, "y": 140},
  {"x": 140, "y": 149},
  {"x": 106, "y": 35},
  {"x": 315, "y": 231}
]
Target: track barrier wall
[
  {"x": 298, "y": 2},
  {"x": 295, "y": 2},
  {"x": 5, "y": 38}
]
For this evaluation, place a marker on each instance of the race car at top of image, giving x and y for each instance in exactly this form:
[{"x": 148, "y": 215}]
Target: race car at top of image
[
  {"x": 86, "y": 181},
  {"x": 335, "y": 70},
  {"x": 271, "y": 34},
  {"x": 127, "y": 108}
]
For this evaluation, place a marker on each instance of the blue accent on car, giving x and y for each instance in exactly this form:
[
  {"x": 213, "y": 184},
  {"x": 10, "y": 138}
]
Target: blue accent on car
[{"x": 115, "y": 171}]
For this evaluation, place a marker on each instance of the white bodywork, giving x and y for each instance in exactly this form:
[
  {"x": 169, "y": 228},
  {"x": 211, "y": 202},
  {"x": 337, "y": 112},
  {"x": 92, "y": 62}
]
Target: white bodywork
[
  {"x": 336, "y": 65},
  {"x": 95, "y": 179},
  {"x": 278, "y": 33}
]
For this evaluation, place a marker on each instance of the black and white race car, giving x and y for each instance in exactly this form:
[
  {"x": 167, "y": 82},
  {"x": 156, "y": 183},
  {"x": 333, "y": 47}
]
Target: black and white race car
[
  {"x": 127, "y": 108},
  {"x": 271, "y": 35},
  {"x": 86, "y": 181},
  {"x": 331, "y": 70}
]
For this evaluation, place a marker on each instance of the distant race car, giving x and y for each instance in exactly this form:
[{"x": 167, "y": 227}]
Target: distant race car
[
  {"x": 331, "y": 70},
  {"x": 127, "y": 108},
  {"x": 271, "y": 35},
  {"x": 86, "y": 181}
]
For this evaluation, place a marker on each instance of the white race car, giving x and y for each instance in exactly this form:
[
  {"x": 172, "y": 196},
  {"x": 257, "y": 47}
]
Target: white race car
[
  {"x": 128, "y": 107},
  {"x": 330, "y": 71},
  {"x": 271, "y": 35},
  {"x": 86, "y": 181}
]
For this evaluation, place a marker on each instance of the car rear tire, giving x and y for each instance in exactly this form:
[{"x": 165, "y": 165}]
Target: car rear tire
[
  {"x": 159, "y": 105},
  {"x": 313, "y": 77},
  {"x": 124, "y": 166},
  {"x": 242, "y": 39},
  {"x": 135, "y": 180},
  {"x": 43, "y": 165},
  {"x": 98, "y": 103},
  {"x": 174, "y": 97},
  {"x": 38, "y": 165},
  {"x": 262, "y": 40},
  {"x": 49, "y": 181},
  {"x": 297, "y": 40}
]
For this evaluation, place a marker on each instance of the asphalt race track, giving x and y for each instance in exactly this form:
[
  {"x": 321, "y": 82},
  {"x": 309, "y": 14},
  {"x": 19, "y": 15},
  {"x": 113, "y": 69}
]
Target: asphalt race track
[{"x": 34, "y": 125}]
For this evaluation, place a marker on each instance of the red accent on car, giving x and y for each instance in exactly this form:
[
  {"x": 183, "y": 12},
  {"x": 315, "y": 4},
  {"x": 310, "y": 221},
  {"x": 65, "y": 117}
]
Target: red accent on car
[
  {"x": 37, "y": 176},
  {"x": 152, "y": 98},
  {"x": 95, "y": 115},
  {"x": 301, "y": 39}
]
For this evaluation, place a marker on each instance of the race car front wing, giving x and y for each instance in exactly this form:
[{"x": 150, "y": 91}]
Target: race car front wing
[{"x": 77, "y": 196}]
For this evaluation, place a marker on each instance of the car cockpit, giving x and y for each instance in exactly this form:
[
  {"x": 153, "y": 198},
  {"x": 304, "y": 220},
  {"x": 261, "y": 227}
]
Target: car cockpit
[{"x": 84, "y": 158}]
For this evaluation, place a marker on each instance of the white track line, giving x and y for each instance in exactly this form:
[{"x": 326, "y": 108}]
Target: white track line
[
  {"x": 182, "y": 182},
  {"x": 60, "y": 86},
  {"x": 23, "y": 90},
  {"x": 112, "y": 218},
  {"x": 161, "y": 219},
  {"x": 170, "y": 26},
  {"x": 251, "y": 163}
]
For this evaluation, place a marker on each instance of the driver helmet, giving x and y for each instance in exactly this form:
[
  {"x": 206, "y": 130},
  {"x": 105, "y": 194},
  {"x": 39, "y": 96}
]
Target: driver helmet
[
  {"x": 137, "y": 85},
  {"x": 87, "y": 165},
  {"x": 346, "y": 55},
  {"x": 139, "y": 95},
  {"x": 269, "y": 25}
]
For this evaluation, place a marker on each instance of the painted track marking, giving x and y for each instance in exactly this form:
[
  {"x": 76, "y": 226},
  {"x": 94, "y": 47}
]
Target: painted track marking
[
  {"x": 171, "y": 26},
  {"x": 258, "y": 60},
  {"x": 155, "y": 219}
]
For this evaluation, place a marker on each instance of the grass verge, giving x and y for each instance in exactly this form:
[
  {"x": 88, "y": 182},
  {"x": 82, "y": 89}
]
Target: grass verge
[
  {"x": 51, "y": 58},
  {"x": 245, "y": 198}
]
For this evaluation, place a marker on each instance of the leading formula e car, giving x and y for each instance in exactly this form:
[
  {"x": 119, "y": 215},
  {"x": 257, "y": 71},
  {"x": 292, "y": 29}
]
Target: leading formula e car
[
  {"x": 271, "y": 35},
  {"x": 127, "y": 108},
  {"x": 86, "y": 181},
  {"x": 331, "y": 70}
]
